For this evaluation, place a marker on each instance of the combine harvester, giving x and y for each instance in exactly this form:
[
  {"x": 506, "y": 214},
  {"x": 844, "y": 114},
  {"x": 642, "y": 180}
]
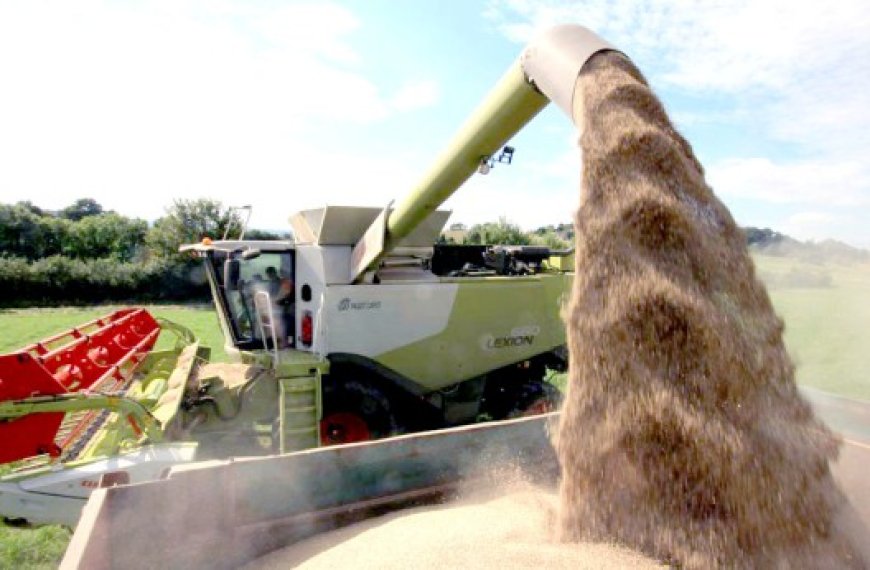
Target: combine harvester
[{"x": 360, "y": 329}]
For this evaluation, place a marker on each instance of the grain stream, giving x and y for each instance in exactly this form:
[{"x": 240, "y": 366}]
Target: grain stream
[{"x": 683, "y": 434}]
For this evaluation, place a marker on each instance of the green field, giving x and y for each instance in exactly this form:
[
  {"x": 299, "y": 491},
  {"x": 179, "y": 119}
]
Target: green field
[
  {"x": 826, "y": 309},
  {"x": 18, "y": 327}
]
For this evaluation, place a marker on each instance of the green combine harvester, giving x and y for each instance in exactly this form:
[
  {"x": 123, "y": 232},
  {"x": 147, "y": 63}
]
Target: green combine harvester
[{"x": 360, "y": 328}]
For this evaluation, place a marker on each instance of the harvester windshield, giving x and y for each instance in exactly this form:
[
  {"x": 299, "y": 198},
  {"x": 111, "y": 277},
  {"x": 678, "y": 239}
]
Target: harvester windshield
[{"x": 258, "y": 294}]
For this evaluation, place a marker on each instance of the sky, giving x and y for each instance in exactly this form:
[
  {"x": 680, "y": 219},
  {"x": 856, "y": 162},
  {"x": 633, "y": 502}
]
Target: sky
[{"x": 295, "y": 105}]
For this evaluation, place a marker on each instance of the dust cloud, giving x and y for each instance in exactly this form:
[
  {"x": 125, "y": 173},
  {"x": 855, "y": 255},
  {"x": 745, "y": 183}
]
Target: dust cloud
[{"x": 683, "y": 434}]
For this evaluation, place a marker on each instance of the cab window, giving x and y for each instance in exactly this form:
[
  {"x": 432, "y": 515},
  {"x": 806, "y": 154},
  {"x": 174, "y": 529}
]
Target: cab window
[{"x": 271, "y": 273}]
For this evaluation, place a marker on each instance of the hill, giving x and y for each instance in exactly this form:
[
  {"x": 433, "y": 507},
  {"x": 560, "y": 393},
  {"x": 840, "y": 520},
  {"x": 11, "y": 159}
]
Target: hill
[{"x": 769, "y": 242}]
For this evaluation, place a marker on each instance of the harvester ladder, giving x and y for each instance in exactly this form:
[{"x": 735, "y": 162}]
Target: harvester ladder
[
  {"x": 266, "y": 324},
  {"x": 300, "y": 413}
]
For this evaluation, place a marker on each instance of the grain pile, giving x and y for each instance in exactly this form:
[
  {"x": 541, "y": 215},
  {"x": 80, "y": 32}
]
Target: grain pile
[
  {"x": 502, "y": 528},
  {"x": 682, "y": 434}
]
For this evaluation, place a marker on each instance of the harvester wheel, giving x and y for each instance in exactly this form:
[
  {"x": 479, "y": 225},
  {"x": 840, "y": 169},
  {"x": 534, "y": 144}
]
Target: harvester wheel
[
  {"x": 542, "y": 399},
  {"x": 355, "y": 412},
  {"x": 16, "y": 522}
]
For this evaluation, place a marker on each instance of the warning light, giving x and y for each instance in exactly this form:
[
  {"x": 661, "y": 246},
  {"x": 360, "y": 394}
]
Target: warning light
[{"x": 307, "y": 328}]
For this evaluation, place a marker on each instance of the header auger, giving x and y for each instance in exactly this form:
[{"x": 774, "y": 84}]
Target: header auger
[
  {"x": 81, "y": 369},
  {"x": 79, "y": 398}
]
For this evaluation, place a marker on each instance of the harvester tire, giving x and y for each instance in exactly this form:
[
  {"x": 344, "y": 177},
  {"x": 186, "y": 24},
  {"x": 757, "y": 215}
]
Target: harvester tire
[
  {"x": 16, "y": 522},
  {"x": 355, "y": 411},
  {"x": 539, "y": 398}
]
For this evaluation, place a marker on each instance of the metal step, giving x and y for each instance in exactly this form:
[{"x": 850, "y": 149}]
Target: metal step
[{"x": 300, "y": 411}]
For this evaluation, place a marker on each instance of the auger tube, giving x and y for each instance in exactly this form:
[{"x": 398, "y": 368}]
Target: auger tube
[
  {"x": 554, "y": 60},
  {"x": 547, "y": 70}
]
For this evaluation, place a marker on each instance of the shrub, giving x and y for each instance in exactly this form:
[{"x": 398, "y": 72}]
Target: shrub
[{"x": 58, "y": 280}]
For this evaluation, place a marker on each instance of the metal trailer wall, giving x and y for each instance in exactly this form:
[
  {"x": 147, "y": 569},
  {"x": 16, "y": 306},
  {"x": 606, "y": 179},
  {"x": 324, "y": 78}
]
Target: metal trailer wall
[{"x": 224, "y": 513}]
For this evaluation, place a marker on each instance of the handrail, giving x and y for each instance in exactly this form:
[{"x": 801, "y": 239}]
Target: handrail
[{"x": 260, "y": 312}]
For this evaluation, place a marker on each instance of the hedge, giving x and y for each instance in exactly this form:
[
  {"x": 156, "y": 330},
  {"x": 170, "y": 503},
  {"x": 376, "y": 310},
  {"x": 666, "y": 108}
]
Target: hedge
[{"x": 60, "y": 280}]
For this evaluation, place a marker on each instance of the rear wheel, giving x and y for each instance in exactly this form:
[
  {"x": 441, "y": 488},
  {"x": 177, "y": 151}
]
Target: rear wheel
[
  {"x": 344, "y": 427},
  {"x": 537, "y": 398},
  {"x": 354, "y": 411}
]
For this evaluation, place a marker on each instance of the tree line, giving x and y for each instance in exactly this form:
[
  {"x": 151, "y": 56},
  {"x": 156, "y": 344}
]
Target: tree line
[
  {"x": 556, "y": 237},
  {"x": 85, "y": 254},
  {"x": 561, "y": 237}
]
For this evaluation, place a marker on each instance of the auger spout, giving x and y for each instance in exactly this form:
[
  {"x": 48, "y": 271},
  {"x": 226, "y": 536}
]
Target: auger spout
[{"x": 547, "y": 70}]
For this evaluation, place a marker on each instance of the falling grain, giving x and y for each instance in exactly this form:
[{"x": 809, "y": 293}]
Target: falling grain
[{"x": 683, "y": 434}]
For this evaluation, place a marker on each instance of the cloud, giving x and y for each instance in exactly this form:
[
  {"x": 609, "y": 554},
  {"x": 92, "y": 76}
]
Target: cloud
[
  {"x": 838, "y": 183},
  {"x": 811, "y": 225},
  {"x": 803, "y": 218},
  {"x": 416, "y": 95},
  {"x": 791, "y": 76},
  {"x": 319, "y": 28},
  {"x": 803, "y": 72},
  {"x": 135, "y": 104},
  {"x": 706, "y": 44}
]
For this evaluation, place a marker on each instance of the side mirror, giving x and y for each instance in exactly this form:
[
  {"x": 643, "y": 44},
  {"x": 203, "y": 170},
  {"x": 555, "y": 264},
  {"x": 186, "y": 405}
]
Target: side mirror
[{"x": 231, "y": 274}]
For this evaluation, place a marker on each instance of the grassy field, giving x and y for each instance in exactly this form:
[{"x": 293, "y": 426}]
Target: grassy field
[
  {"x": 826, "y": 309},
  {"x": 18, "y": 327},
  {"x": 32, "y": 548}
]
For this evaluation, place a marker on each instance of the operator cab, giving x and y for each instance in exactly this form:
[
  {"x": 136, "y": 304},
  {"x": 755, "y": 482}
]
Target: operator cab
[{"x": 254, "y": 285}]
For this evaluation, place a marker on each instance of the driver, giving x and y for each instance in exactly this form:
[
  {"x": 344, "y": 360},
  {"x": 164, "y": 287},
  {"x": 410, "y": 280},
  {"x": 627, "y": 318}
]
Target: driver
[{"x": 281, "y": 290}]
